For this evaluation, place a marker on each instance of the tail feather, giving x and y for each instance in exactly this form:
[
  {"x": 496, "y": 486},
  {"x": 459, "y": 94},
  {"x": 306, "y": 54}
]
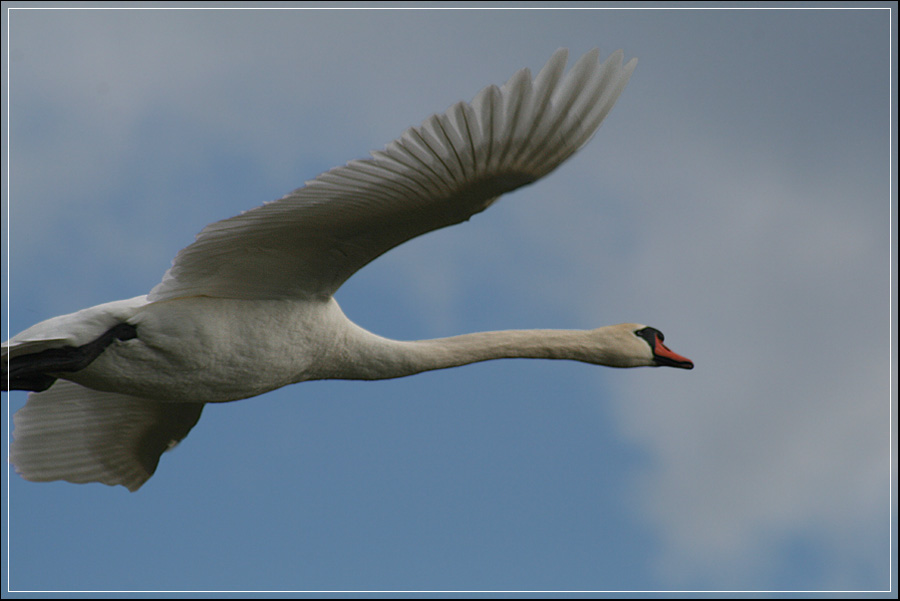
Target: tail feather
[{"x": 73, "y": 433}]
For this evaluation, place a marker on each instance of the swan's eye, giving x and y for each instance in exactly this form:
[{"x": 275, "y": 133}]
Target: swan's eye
[{"x": 648, "y": 335}]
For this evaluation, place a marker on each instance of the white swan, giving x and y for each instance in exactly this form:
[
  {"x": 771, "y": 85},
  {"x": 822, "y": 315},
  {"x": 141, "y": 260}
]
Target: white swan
[{"x": 248, "y": 307}]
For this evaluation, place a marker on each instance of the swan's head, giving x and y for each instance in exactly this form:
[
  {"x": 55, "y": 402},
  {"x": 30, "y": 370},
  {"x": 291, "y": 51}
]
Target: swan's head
[{"x": 636, "y": 345}]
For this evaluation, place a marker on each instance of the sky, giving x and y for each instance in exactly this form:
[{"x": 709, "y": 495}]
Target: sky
[{"x": 740, "y": 197}]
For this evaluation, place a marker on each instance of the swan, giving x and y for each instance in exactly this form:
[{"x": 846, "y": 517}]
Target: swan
[{"x": 248, "y": 307}]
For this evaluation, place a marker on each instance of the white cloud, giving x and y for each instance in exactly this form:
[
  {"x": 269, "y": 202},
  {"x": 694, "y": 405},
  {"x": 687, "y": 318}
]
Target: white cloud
[
  {"x": 776, "y": 285},
  {"x": 763, "y": 264}
]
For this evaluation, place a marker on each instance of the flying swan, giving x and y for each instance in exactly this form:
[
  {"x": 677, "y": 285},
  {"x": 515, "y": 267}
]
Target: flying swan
[{"x": 248, "y": 307}]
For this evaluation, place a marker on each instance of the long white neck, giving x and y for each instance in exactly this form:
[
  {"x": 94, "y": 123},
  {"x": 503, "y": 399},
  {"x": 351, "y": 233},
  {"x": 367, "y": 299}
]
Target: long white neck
[{"x": 366, "y": 356}]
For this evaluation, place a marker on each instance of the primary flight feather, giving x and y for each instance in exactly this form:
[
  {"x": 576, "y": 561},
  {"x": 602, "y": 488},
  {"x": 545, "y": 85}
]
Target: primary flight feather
[{"x": 249, "y": 307}]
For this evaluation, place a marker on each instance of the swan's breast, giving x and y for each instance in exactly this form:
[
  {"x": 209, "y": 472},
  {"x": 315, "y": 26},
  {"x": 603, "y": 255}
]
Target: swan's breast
[{"x": 210, "y": 349}]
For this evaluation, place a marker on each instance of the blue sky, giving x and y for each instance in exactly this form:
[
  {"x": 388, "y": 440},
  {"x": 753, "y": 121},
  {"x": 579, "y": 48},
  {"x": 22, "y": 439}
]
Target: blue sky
[{"x": 738, "y": 197}]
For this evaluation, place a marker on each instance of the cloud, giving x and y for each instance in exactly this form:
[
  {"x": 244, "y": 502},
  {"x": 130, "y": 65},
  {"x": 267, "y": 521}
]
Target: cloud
[
  {"x": 736, "y": 198},
  {"x": 776, "y": 283}
]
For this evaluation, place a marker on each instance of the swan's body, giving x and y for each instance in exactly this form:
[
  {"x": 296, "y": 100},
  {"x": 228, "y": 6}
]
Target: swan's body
[{"x": 248, "y": 307}]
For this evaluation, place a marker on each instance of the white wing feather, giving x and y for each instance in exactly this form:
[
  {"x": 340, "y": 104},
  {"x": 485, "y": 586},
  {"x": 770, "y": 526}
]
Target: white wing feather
[
  {"x": 441, "y": 173},
  {"x": 73, "y": 433}
]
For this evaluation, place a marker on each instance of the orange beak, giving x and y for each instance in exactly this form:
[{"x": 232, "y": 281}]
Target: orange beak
[{"x": 665, "y": 356}]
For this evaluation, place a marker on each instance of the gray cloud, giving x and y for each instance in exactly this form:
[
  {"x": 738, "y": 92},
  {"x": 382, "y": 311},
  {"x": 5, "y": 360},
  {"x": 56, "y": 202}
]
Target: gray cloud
[{"x": 737, "y": 198}]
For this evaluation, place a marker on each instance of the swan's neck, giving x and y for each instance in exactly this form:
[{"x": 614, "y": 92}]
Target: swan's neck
[{"x": 366, "y": 356}]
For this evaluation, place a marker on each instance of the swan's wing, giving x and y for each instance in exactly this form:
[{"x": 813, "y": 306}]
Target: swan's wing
[
  {"x": 73, "y": 433},
  {"x": 440, "y": 173}
]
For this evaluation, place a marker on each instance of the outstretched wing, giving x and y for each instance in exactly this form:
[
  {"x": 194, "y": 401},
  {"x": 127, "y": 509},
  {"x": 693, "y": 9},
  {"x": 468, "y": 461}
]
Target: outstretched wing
[
  {"x": 73, "y": 433},
  {"x": 440, "y": 173}
]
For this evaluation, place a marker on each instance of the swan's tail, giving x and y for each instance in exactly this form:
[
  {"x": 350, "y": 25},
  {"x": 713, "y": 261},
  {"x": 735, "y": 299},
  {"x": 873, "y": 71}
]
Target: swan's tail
[{"x": 73, "y": 433}]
